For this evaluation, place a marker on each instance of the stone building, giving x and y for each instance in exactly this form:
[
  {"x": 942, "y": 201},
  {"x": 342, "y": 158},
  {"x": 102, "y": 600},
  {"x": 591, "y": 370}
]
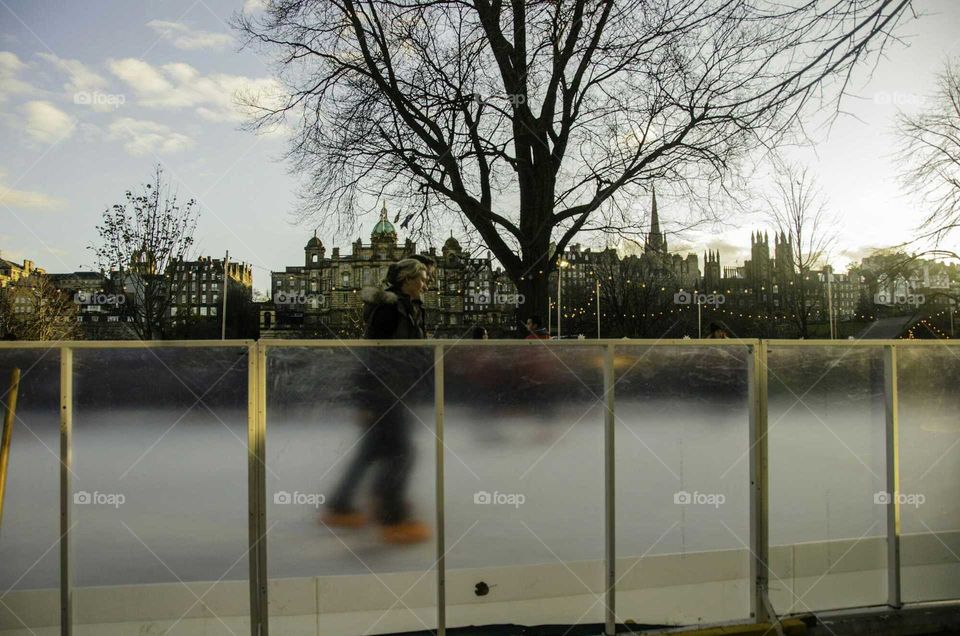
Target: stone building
[
  {"x": 321, "y": 298},
  {"x": 196, "y": 298}
]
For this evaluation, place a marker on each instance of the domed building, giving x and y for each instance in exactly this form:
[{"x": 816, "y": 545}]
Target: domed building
[{"x": 321, "y": 298}]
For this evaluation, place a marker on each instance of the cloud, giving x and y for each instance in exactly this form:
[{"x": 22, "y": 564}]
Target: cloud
[
  {"x": 25, "y": 199},
  {"x": 143, "y": 137},
  {"x": 254, "y": 6},
  {"x": 215, "y": 97},
  {"x": 10, "y": 68},
  {"x": 187, "y": 38},
  {"x": 84, "y": 85},
  {"x": 46, "y": 122}
]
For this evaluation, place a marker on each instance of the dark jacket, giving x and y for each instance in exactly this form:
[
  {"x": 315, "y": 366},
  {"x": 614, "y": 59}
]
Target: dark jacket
[{"x": 391, "y": 315}]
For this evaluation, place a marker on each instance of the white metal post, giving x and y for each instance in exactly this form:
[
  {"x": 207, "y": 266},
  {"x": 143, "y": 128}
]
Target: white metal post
[
  {"x": 559, "y": 297},
  {"x": 598, "y": 309},
  {"x": 66, "y": 464},
  {"x": 891, "y": 408},
  {"x": 223, "y": 311},
  {"x": 438, "y": 400},
  {"x": 759, "y": 490},
  {"x": 609, "y": 499}
]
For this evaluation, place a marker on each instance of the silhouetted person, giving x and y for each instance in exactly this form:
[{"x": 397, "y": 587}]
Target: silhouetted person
[{"x": 717, "y": 331}]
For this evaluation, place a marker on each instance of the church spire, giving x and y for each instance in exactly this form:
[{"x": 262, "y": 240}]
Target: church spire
[
  {"x": 654, "y": 217},
  {"x": 655, "y": 239}
]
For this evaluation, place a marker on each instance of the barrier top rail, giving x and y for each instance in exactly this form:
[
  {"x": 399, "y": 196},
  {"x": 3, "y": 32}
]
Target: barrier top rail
[{"x": 463, "y": 342}]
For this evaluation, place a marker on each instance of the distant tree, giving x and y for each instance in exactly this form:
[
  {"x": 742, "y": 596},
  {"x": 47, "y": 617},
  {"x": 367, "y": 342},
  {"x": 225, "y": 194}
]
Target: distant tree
[
  {"x": 48, "y": 313},
  {"x": 139, "y": 239},
  {"x": 533, "y": 121},
  {"x": 798, "y": 208},
  {"x": 930, "y": 157}
]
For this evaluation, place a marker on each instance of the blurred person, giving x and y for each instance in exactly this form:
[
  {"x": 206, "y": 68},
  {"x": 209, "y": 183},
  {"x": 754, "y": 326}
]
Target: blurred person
[
  {"x": 535, "y": 330},
  {"x": 717, "y": 331},
  {"x": 480, "y": 333},
  {"x": 386, "y": 443}
]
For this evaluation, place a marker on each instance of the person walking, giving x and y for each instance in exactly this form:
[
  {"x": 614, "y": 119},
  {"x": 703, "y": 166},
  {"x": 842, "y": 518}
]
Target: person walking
[{"x": 387, "y": 444}]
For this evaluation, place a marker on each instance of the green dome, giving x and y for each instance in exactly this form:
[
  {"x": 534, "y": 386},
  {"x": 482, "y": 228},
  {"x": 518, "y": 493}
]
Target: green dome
[{"x": 384, "y": 228}]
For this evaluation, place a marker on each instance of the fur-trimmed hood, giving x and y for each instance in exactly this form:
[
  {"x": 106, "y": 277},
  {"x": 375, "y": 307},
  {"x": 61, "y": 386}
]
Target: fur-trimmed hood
[{"x": 377, "y": 296}]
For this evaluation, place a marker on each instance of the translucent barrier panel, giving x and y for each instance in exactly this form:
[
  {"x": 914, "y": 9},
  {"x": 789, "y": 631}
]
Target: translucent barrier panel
[
  {"x": 929, "y": 390},
  {"x": 30, "y": 531},
  {"x": 826, "y": 446},
  {"x": 682, "y": 498},
  {"x": 159, "y": 502},
  {"x": 524, "y": 484},
  {"x": 350, "y": 478}
]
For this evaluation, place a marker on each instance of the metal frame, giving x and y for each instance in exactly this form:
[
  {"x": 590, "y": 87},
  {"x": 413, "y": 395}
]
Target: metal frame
[
  {"x": 253, "y": 485},
  {"x": 892, "y": 439},
  {"x": 757, "y": 359},
  {"x": 759, "y": 481},
  {"x": 441, "y": 561},
  {"x": 260, "y": 494},
  {"x": 609, "y": 493},
  {"x": 66, "y": 463}
]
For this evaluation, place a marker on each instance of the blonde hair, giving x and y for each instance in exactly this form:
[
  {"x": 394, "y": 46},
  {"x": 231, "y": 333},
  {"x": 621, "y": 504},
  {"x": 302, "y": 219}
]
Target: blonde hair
[{"x": 406, "y": 269}]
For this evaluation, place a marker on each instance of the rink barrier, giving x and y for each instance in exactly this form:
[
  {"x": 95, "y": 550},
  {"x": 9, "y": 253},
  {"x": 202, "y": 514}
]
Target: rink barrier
[{"x": 758, "y": 387}]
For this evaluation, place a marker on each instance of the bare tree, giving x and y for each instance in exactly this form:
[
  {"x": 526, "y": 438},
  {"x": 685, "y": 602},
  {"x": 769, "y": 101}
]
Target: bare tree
[
  {"x": 931, "y": 159},
  {"x": 799, "y": 210},
  {"x": 535, "y": 120},
  {"x": 45, "y": 312},
  {"x": 139, "y": 239}
]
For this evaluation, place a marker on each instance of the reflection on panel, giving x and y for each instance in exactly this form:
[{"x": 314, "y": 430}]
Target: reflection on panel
[
  {"x": 524, "y": 483},
  {"x": 682, "y": 499},
  {"x": 929, "y": 379},
  {"x": 159, "y": 501},
  {"x": 29, "y": 549},
  {"x": 827, "y": 458},
  {"x": 350, "y": 488}
]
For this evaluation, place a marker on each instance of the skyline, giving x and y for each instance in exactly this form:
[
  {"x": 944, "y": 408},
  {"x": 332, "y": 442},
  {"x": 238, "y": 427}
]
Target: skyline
[{"x": 87, "y": 119}]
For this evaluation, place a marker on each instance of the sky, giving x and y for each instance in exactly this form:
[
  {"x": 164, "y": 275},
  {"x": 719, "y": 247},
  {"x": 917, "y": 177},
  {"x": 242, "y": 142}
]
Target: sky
[{"x": 95, "y": 93}]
